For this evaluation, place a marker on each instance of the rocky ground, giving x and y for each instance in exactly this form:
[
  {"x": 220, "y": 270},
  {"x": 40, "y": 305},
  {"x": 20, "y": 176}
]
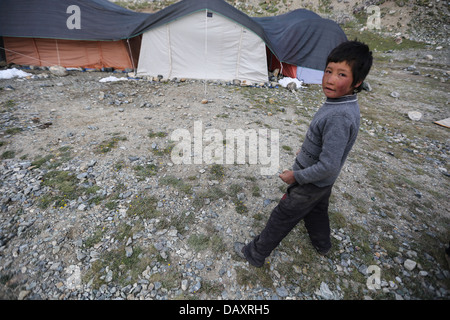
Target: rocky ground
[{"x": 93, "y": 205}]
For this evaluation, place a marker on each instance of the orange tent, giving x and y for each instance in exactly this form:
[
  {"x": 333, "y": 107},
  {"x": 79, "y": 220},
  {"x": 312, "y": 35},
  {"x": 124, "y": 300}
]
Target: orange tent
[
  {"x": 286, "y": 69},
  {"x": 121, "y": 54}
]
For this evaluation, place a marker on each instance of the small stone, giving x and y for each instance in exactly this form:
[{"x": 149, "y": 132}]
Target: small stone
[
  {"x": 395, "y": 94},
  {"x": 324, "y": 292},
  {"x": 195, "y": 287},
  {"x": 199, "y": 266},
  {"x": 129, "y": 241},
  {"x": 23, "y": 294},
  {"x": 58, "y": 71},
  {"x": 241, "y": 196},
  {"x": 415, "y": 115},
  {"x": 409, "y": 264},
  {"x": 184, "y": 284},
  {"x": 282, "y": 292},
  {"x": 297, "y": 269},
  {"x": 291, "y": 86},
  {"x": 128, "y": 251}
]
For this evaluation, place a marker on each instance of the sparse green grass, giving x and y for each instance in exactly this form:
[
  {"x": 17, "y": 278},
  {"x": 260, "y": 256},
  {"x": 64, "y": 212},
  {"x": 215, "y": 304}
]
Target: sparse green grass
[
  {"x": 377, "y": 42},
  {"x": 125, "y": 270},
  {"x": 217, "y": 172},
  {"x": 13, "y": 131},
  {"x": 62, "y": 155},
  {"x": 213, "y": 193},
  {"x": 240, "y": 207},
  {"x": 160, "y": 152},
  {"x": 145, "y": 171},
  {"x": 7, "y": 106},
  {"x": 144, "y": 207},
  {"x": 206, "y": 241},
  {"x": 159, "y": 134},
  {"x": 9, "y": 154},
  {"x": 176, "y": 183},
  {"x": 40, "y": 161},
  {"x": 95, "y": 237},
  {"x": 109, "y": 144},
  {"x": 255, "y": 277},
  {"x": 65, "y": 186}
]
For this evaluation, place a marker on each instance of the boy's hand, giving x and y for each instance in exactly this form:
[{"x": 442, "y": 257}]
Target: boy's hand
[{"x": 287, "y": 176}]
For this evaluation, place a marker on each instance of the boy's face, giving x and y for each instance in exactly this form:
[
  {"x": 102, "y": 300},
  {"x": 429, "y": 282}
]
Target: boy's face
[{"x": 337, "y": 80}]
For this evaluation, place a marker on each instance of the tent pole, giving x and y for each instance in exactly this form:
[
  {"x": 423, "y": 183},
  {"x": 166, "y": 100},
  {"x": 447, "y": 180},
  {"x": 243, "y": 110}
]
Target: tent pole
[
  {"x": 206, "y": 49},
  {"x": 170, "y": 51},
  {"x": 57, "y": 51},
  {"x": 131, "y": 55}
]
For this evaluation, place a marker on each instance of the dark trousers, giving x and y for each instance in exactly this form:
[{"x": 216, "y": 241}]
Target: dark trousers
[{"x": 307, "y": 202}]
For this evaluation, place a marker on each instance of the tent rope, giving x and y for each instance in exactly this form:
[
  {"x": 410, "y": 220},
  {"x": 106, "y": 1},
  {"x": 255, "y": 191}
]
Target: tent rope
[
  {"x": 206, "y": 52},
  {"x": 40, "y": 60},
  {"x": 57, "y": 52},
  {"x": 131, "y": 55},
  {"x": 238, "y": 62},
  {"x": 169, "y": 45}
]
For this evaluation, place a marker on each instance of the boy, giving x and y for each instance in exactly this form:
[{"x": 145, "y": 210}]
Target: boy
[{"x": 329, "y": 139}]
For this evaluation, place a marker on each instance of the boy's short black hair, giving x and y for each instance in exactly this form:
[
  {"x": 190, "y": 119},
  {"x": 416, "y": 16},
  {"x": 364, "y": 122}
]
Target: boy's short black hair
[{"x": 357, "y": 55}]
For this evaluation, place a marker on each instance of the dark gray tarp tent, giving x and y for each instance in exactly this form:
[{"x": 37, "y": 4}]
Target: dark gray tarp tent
[
  {"x": 300, "y": 38},
  {"x": 70, "y": 33},
  {"x": 100, "y": 20}
]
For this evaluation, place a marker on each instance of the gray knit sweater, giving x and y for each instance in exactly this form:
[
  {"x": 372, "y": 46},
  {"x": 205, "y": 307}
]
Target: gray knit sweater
[{"x": 329, "y": 139}]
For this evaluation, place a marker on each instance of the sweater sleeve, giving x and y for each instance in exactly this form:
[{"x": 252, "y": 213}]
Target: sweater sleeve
[{"x": 336, "y": 133}]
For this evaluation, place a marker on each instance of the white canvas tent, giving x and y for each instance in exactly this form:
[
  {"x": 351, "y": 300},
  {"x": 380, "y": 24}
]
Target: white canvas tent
[{"x": 203, "y": 45}]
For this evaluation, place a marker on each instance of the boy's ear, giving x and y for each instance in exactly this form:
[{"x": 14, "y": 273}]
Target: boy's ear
[{"x": 358, "y": 84}]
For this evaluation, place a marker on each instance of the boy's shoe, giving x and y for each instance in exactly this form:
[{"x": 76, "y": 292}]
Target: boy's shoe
[
  {"x": 239, "y": 249},
  {"x": 322, "y": 252}
]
